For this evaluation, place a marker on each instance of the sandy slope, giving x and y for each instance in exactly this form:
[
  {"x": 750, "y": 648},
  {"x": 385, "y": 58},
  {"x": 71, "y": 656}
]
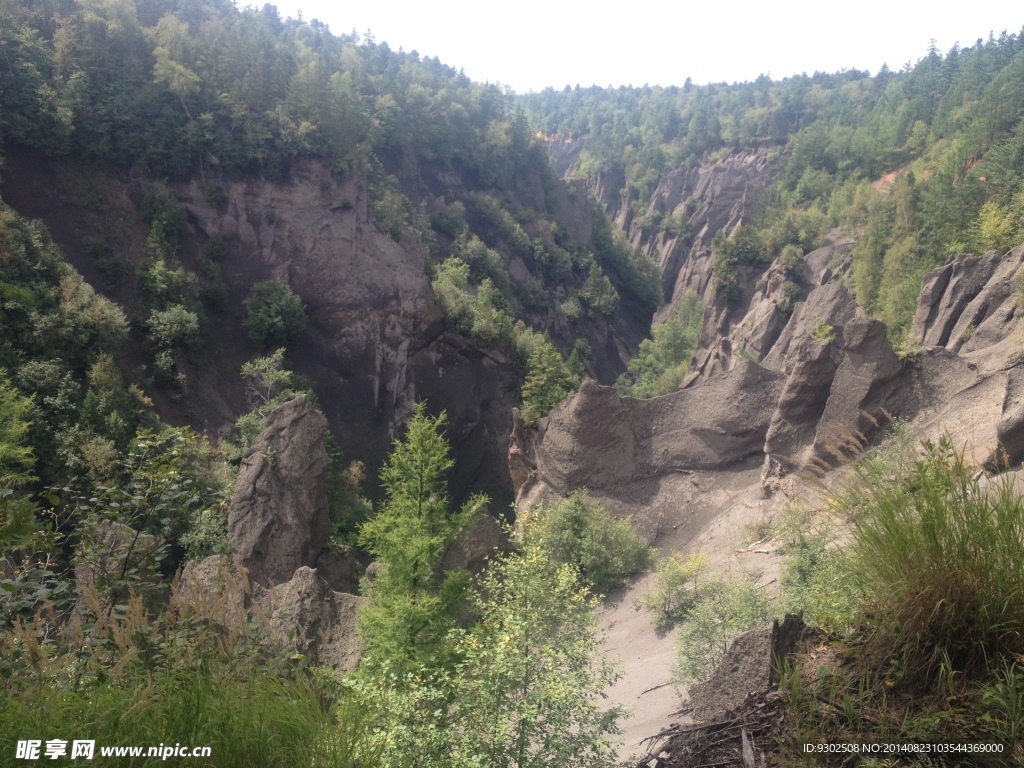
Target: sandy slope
[{"x": 717, "y": 521}]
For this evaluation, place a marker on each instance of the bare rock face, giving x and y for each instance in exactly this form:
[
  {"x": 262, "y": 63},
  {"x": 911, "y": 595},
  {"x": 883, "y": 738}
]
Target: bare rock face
[
  {"x": 319, "y": 622},
  {"x": 215, "y": 588},
  {"x": 339, "y": 566},
  {"x": 802, "y": 402},
  {"x": 946, "y": 293},
  {"x": 971, "y": 306},
  {"x": 828, "y": 309},
  {"x": 476, "y": 545},
  {"x": 376, "y": 341},
  {"x": 711, "y": 197},
  {"x": 278, "y": 519},
  {"x": 1010, "y": 427},
  {"x": 597, "y": 439},
  {"x": 752, "y": 664},
  {"x": 865, "y": 387},
  {"x": 745, "y": 669}
]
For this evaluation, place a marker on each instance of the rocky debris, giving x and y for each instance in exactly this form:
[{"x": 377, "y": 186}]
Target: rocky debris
[
  {"x": 113, "y": 560},
  {"x": 745, "y": 668},
  {"x": 278, "y": 519},
  {"x": 738, "y": 710},
  {"x": 320, "y": 623}
]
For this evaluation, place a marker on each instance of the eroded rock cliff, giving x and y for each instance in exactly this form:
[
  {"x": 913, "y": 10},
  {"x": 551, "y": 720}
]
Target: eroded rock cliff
[{"x": 802, "y": 392}]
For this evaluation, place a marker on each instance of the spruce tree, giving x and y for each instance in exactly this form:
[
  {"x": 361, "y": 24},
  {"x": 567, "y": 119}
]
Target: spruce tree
[{"x": 413, "y": 600}]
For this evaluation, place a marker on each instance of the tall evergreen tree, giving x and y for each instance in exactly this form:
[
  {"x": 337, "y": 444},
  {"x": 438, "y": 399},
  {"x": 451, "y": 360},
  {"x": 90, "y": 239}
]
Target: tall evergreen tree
[{"x": 413, "y": 600}]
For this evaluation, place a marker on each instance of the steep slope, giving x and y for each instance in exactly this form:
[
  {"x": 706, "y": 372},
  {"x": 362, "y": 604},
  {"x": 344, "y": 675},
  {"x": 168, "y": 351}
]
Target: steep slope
[
  {"x": 699, "y": 469},
  {"x": 408, "y": 208}
]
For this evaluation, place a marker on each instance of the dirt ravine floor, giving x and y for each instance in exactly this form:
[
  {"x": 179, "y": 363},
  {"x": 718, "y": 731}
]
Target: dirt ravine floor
[
  {"x": 722, "y": 513},
  {"x": 731, "y": 507}
]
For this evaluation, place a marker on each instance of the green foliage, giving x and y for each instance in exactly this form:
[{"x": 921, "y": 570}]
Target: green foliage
[
  {"x": 548, "y": 382},
  {"x": 937, "y": 558},
  {"x": 481, "y": 315},
  {"x": 268, "y": 384},
  {"x": 822, "y": 331},
  {"x": 723, "y": 609},
  {"x": 997, "y": 227},
  {"x": 576, "y": 531},
  {"x": 274, "y": 313},
  {"x": 16, "y": 459},
  {"x": 165, "y": 286},
  {"x": 661, "y": 363},
  {"x": 170, "y": 484},
  {"x": 675, "y": 587},
  {"x": 942, "y": 141},
  {"x": 174, "y": 328},
  {"x": 413, "y": 601},
  {"x": 1004, "y": 700},
  {"x": 817, "y": 582},
  {"x": 450, "y": 220},
  {"x": 194, "y": 674},
  {"x": 59, "y": 339},
  {"x": 528, "y": 689}
]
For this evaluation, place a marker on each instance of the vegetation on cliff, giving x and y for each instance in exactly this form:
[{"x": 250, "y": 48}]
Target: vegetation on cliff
[
  {"x": 175, "y": 89},
  {"x": 918, "y": 164},
  {"x": 923, "y": 606}
]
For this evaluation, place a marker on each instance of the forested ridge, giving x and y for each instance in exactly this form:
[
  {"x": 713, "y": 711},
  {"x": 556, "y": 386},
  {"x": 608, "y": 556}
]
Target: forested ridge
[
  {"x": 917, "y": 164},
  {"x": 157, "y": 121}
]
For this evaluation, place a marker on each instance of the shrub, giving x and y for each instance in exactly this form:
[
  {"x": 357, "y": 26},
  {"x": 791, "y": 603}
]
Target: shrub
[
  {"x": 528, "y": 690},
  {"x": 724, "y": 609},
  {"x": 675, "y": 587},
  {"x": 548, "y": 382},
  {"x": 937, "y": 557},
  {"x": 817, "y": 583},
  {"x": 577, "y": 531},
  {"x": 822, "y": 331},
  {"x": 660, "y": 363},
  {"x": 174, "y": 327},
  {"x": 274, "y": 313},
  {"x": 198, "y": 674}
]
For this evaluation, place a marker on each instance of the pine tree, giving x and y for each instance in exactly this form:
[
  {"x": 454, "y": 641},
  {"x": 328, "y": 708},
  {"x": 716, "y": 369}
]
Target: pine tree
[
  {"x": 548, "y": 382},
  {"x": 412, "y": 599}
]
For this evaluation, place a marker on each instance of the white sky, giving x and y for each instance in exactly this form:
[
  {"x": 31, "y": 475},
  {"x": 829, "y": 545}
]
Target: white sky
[{"x": 531, "y": 44}]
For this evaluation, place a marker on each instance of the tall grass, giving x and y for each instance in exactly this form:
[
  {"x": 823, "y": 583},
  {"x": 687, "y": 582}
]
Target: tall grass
[
  {"x": 939, "y": 558},
  {"x": 200, "y": 674}
]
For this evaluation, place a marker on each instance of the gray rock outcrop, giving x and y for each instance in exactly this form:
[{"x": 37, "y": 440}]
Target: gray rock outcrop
[
  {"x": 319, "y": 622},
  {"x": 302, "y": 614},
  {"x": 597, "y": 439},
  {"x": 215, "y": 588},
  {"x": 340, "y": 567},
  {"x": 278, "y": 519},
  {"x": 946, "y": 293}
]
